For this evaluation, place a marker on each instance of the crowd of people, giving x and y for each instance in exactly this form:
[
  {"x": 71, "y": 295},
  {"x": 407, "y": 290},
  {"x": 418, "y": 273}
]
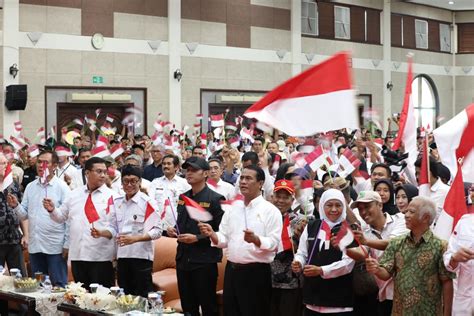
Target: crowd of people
[{"x": 275, "y": 219}]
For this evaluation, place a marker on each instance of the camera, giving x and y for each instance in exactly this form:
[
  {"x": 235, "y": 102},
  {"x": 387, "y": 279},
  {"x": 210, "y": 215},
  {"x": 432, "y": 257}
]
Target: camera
[{"x": 394, "y": 158}]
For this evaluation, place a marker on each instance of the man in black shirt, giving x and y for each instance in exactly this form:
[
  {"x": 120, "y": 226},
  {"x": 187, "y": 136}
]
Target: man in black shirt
[
  {"x": 196, "y": 260},
  {"x": 154, "y": 170}
]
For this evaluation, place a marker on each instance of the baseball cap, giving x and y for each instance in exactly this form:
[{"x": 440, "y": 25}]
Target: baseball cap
[
  {"x": 366, "y": 197},
  {"x": 284, "y": 185},
  {"x": 196, "y": 163},
  {"x": 338, "y": 183}
]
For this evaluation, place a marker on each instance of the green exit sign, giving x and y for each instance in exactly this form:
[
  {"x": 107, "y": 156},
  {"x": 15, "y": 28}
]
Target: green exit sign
[{"x": 97, "y": 79}]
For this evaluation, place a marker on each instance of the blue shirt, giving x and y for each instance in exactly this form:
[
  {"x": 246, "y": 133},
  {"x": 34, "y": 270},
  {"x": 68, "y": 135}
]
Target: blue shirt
[
  {"x": 152, "y": 172},
  {"x": 46, "y": 236}
]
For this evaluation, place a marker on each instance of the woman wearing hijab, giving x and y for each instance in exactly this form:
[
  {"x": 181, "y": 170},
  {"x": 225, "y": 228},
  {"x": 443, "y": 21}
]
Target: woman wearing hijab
[
  {"x": 403, "y": 196},
  {"x": 327, "y": 271},
  {"x": 384, "y": 187}
]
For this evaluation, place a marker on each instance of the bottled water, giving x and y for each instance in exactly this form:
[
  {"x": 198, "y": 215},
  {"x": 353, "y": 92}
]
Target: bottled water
[
  {"x": 159, "y": 305},
  {"x": 18, "y": 275},
  {"x": 47, "y": 285}
]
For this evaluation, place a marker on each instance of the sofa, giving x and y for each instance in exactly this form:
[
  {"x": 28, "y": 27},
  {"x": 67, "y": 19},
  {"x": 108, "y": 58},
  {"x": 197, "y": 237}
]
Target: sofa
[{"x": 164, "y": 273}]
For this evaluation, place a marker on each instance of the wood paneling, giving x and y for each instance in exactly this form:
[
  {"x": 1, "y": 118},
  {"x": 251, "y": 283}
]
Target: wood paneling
[
  {"x": 466, "y": 38},
  {"x": 357, "y": 24},
  {"x": 409, "y": 39},
  {"x": 373, "y": 26},
  {"x": 326, "y": 19},
  {"x": 433, "y": 35},
  {"x": 396, "y": 30}
]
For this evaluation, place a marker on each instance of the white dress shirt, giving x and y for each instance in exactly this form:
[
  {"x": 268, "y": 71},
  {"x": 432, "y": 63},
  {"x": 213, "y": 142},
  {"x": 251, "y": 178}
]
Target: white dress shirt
[
  {"x": 462, "y": 236},
  {"x": 438, "y": 193},
  {"x": 45, "y": 235},
  {"x": 163, "y": 188},
  {"x": 82, "y": 246},
  {"x": 264, "y": 219},
  {"x": 77, "y": 179},
  {"x": 268, "y": 185},
  {"x": 129, "y": 219},
  {"x": 394, "y": 226},
  {"x": 68, "y": 169},
  {"x": 225, "y": 189},
  {"x": 330, "y": 271}
]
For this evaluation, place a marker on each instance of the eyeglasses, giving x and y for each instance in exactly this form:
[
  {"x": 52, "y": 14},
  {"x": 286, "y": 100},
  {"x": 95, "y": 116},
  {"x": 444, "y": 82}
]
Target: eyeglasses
[
  {"x": 100, "y": 172},
  {"x": 130, "y": 181}
]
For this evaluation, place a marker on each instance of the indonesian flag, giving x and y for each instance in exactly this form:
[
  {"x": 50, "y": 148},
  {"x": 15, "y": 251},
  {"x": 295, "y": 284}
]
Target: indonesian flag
[
  {"x": 204, "y": 143},
  {"x": 424, "y": 179},
  {"x": 90, "y": 210},
  {"x": 198, "y": 117},
  {"x": 407, "y": 131},
  {"x": 100, "y": 152},
  {"x": 109, "y": 118},
  {"x": 286, "y": 234},
  {"x": 247, "y": 133},
  {"x": 152, "y": 219},
  {"x": 276, "y": 163},
  {"x": 348, "y": 162},
  {"x": 231, "y": 126},
  {"x": 264, "y": 127},
  {"x": 316, "y": 158},
  {"x": 18, "y": 127},
  {"x": 40, "y": 136},
  {"x": 212, "y": 183},
  {"x": 17, "y": 143},
  {"x": 319, "y": 99},
  {"x": 217, "y": 120},
  {"x": 324, "y": 235},
  {"x": 165, "y": 209},
  {"x": 116, "y": 150},
  {"x": 63, "y": 151},
  {"x": 44, "y": 173},
  {"x": 33, "y": 151},
  {"x": 7, "y": 177},
  {"x": 344, "y": 237},
  {"x": 455, "y": 144},
  {"x": 102, "y": 141},
  {"x": 236, "y": 203},
  {"x": 196, "y": 211},
  {"x": 234, "y": 142},
  {"x": 110, "y": 205}
]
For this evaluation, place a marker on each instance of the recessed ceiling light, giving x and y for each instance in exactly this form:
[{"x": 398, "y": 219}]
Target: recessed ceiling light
[{"x": 451, "y": 2}]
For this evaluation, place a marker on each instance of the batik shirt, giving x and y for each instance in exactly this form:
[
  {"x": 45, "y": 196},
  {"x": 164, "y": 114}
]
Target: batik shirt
[
  {"x": 9, "y": 221},
  {"x": 418, "y": 270}
]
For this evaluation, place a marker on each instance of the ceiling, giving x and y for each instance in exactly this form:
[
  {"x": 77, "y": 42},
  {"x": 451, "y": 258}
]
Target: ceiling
[{"x": 458, "y": 4}]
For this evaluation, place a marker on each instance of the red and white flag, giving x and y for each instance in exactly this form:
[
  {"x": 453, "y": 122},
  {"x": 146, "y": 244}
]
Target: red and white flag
[
  {"x": 110, "y": 205},
  {"x": 407, "y": 131},
  {"x": 230, "y": 126},
  {"x": 78, "y": 121},
  {"x": 18, "y": 143},
  {"x": 234, "y": 142},
  {"x": 166, "y": 206},
  {"x": 44, "y": 173},
  {"x": 276, "y": 163},
  {"x": 348, "y": 162},
  {"x": 286, "y": 234},
  {"x": 424, "y": 178},
  {"x": 344, "y": 237},
  {"x": 236, "y": 203},
  {"x": 109, "y": 118},
  {"x": 33, "y": 151},
  {"x": 455, "y": 143},
  {"x": 247, "y": 133},
  {"x": 7, "y": 177},
  {"x": 212, "y": 183},
  {"x": 314, "y": 99},
  {"x": 324, "y": 235},
  {"x": 116, "y": 150},
  {"x": 196, "y": 211},
  {"x": 90, "y": 211},
  {"x": 63, "y": 151},
  {"x": 316, "y": 158},
  {"x": 198, "y": 117},
  {"x": 217, "y": 120},
  {"x": 100, "y": 152},
  {"x": 40, "y": 136},
  {"x": 18, "y": 127},
  {"x": 152, "y": 218},
  {"x": 102, "y": 141}
]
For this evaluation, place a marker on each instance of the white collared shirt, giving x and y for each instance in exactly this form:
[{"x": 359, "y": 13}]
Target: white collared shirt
[
  {"x": 438, "y": 193},
  {"x": 462, "y": 236},
  {"x": 161, "y": 189},
  {"x": 82, "y": 246},
  {"x": 225, "y": 189},
  {"x": 394, "y": 226},
  {"x": 129, "y": 219},
  {"x": 68, "y": 169},
  {"x": 260, "y": 216}
]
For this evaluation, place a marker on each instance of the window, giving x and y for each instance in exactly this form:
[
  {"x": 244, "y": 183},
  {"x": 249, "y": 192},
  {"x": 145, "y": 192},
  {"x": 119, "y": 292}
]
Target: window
[
  {"x": 425, "y": 101},
  {"x": 342, "y": 22},
  {"x": 309, "y": 17},
  {"x": 445, "y": 37},
  {"x": 421, "y": 34}
]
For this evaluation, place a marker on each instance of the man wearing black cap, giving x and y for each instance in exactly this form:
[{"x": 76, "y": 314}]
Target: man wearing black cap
[{"x": 196, "y": 260}]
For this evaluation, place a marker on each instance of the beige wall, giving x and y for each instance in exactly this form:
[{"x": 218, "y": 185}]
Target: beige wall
[{"x": 49, "y": 19}]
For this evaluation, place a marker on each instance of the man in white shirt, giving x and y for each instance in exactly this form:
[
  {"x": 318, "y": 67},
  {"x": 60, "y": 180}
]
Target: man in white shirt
[
  {"x": 225, "y": 189},
  {"x": 459, "y": 258},
  {"x": 251, "y": 233},
  {"x": 65, "y": 170},
  {"x": 78, "y": 178},
  {"x": 87, "y": 207},
  {"x": 135, "y": 226},
  {"x": 170, "y": 186}
]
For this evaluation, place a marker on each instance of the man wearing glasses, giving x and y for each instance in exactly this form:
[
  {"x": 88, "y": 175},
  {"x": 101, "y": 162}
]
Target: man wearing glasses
[
  {"x": 91, "y": 258},
  {"x": 134, "y": 229}
]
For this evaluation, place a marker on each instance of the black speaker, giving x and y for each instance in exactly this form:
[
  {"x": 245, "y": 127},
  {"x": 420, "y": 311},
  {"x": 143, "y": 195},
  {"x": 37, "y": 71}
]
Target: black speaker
[{"x": 16, "y": 97}]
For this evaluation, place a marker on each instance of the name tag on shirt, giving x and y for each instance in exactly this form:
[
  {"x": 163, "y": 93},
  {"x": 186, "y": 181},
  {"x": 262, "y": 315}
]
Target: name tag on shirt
[{"x": 204, "y": 204}]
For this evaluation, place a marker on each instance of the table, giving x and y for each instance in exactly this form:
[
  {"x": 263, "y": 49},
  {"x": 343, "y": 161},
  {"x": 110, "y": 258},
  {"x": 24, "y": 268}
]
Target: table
[
  {"x": 19, "y": 298},
  {"x": 76, "y": 310},
  {"x": 36, "y": 302}
]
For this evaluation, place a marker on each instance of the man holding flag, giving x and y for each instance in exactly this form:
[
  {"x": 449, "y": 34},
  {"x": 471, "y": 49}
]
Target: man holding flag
[
  {"x": 48, "y": 240},
  {"x": 196, "y": 260},
  {"x": 135, "y": 224},
  {"x": 86, "y": 209}
]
